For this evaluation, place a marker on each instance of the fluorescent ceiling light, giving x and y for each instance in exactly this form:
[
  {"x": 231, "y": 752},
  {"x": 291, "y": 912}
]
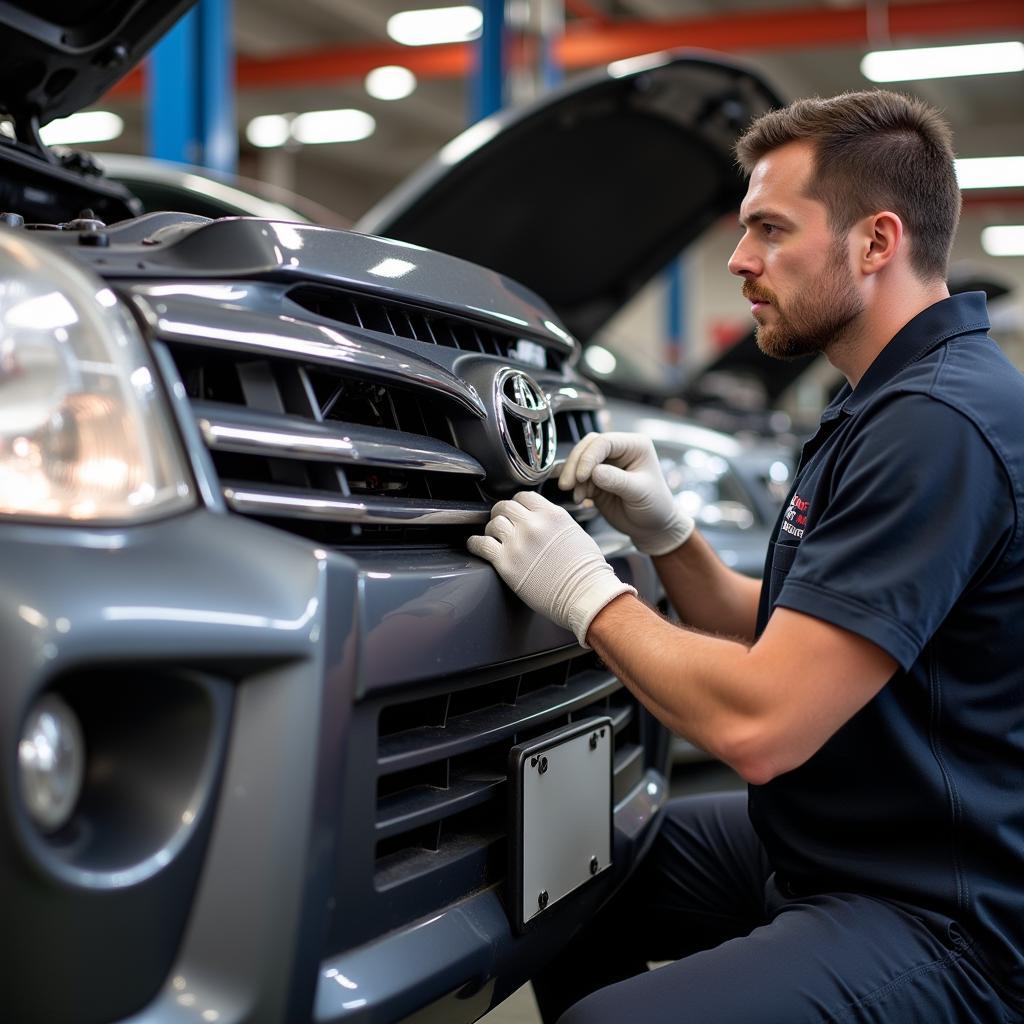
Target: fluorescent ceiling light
[
  {"x": 390, "y": 82},
  {"x": 1003, "y": 240},
  {"x": 88, "y": 126},
  {"x": 990, "y": 172},
  {"x": 943, "y": 62},
  {"x": 333, "y": 126},
  {"x": 435, "y": 25},
  {"x": 268, "y": 130}
]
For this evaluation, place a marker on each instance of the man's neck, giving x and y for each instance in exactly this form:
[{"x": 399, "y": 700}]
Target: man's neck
[{"x": 892, "y": 306}]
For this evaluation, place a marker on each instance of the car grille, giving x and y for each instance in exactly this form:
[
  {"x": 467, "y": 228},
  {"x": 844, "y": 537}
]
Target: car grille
[
  {"x": 432, "y": 783},
  {"x": 402, "y": 320},
  {"x": 350, "y": 446}
]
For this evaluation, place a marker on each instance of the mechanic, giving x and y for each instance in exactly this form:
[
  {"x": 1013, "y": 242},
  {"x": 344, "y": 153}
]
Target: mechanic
[{"x": 871, "y": 689}]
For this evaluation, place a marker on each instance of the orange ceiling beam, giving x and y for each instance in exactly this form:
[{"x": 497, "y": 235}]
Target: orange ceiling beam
[
  {"x": 584, "y": 9},
  {"x": 788, "y": 29},
  {"x": 587, "y": 43}
]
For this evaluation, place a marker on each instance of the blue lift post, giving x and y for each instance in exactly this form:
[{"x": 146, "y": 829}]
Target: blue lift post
[
  {"x": 675, "y": 311},
  {"x": 488, "y": 86},
  {"x": 552, "y": 73},
  {"x": 190, "y": 91}
]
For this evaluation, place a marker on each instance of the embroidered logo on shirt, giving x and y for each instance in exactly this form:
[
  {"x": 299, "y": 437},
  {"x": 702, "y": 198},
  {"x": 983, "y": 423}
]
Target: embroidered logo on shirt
[{"x": 796, "y": 516}]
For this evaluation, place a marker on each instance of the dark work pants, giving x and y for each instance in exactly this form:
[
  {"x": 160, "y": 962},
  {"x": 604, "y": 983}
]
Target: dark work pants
[{"x": 706, "y": 898}]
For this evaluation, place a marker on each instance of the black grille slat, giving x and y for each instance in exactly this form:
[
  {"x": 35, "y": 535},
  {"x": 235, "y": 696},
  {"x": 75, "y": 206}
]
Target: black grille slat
[
  {"x": 420, "y": 746},
  {"x": 460, "y": 864},
  {"x": 628, "y": 770},
  {"x": 423, "y": 805},
  {"x": 403, "y": 320}
]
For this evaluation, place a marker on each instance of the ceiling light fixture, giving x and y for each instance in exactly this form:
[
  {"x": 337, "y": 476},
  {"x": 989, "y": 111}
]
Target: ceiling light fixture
[
  {"x": 319, "y": 126},
  {"x": 268, "y": 130},
  {"x": 390, "y": 82},
  {"x": 943, "y": 62},
  {"x": 435, "y": 25},
  {"x": 1003, "y": 240},
  {"x": 990, "y": 172},
  {"x": 87, "y": 126}
]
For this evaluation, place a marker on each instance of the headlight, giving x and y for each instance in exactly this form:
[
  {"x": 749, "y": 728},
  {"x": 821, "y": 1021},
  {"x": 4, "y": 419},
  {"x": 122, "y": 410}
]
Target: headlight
[
  {"x": 706, "y": 488},
  {"x": 85, "y": 433}
]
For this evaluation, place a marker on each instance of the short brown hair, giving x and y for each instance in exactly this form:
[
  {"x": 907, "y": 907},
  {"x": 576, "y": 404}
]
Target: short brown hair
[{"x": 874, "y": 150}]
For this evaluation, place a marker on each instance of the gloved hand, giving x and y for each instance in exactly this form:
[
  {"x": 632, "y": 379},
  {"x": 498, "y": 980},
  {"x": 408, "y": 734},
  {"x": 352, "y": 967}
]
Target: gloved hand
[
  {"x": 621, "y": 473},
  {"x": 549, "y": 561}
]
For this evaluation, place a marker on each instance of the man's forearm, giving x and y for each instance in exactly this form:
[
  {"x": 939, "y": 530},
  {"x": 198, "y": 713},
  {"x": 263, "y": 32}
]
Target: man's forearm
[
  {"x": 764, "y": 709},
  {"x": 706, "y": 593},
  {"x": 695, "y": 684}
]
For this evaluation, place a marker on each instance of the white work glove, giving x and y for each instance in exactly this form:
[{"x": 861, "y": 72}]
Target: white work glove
[
  {"x": 550, "y": 562},
  {"x": 622, "y": 475}
]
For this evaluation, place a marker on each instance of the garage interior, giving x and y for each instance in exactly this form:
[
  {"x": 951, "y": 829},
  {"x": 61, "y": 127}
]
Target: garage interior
[{"x": 325, "y": 107}]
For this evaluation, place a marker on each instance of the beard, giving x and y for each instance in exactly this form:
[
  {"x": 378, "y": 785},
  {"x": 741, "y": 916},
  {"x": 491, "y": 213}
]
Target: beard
[{"x": 816, "y": 318}]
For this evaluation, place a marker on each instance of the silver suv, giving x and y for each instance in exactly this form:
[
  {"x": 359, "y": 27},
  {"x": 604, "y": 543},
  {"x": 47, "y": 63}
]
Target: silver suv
[{"x": 269, "y": 734}]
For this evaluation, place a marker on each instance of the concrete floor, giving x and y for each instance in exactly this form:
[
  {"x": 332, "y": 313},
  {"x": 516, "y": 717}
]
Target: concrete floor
[
  {"x": 701, "y": 777},
  {"x": 519, "y": 1008}
]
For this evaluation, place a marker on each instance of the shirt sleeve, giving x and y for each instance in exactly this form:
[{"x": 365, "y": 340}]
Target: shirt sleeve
[{"x": 920, "y": 506}]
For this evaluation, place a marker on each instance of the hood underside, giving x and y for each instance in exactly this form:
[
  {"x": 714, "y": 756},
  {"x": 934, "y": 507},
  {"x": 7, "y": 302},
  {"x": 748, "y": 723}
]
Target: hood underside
[
  {"x": 589, "y": 192},
  {"x": 61, "y": 56}
]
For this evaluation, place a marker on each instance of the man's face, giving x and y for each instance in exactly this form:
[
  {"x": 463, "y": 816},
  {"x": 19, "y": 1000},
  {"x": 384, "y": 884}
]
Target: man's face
[{"x": 796, "y": 272}]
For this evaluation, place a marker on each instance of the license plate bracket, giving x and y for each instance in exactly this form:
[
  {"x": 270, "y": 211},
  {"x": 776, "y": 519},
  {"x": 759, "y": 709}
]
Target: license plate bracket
[{"x": 560, "y": 834}]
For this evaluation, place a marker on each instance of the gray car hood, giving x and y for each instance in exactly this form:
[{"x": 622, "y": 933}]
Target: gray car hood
[{"x": 586, "y": 194}]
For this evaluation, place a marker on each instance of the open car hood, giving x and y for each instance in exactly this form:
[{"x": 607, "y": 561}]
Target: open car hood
[
  {"x": 60, "y": 56},
  {"x": 586, "y": 194}
]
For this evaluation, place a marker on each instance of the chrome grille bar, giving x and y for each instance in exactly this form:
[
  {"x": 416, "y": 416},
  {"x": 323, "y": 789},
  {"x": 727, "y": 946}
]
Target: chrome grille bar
[
  {"x": 295, "y": 503},
  {"x": 238, "y": 429}
]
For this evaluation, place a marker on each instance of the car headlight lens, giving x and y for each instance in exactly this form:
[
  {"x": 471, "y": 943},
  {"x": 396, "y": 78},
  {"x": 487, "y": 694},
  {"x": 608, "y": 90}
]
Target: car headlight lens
[
  {"x": 84, "y": 430},
  {"x": 51, "y": 763},
  {"x": 706, "y": 488}
]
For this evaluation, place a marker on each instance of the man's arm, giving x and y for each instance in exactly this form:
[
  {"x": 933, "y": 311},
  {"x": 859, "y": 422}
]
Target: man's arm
[
  {"x": 706, "y": 593},
  {"x": 764, "y": 709}
]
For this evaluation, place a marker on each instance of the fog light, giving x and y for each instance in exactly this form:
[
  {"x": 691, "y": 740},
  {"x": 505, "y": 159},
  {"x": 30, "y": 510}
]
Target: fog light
[{"x": 51, "y": 763}]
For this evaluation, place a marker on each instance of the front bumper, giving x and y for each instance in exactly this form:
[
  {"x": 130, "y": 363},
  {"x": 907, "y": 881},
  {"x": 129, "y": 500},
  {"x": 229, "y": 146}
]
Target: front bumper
[{"x": 217, "y": 910}]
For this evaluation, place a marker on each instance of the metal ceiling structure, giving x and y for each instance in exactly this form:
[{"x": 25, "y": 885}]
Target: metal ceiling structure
[{"x": 313, "y": 54}]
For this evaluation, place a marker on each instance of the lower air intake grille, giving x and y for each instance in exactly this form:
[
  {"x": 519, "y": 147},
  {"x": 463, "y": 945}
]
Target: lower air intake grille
[{"x": 438, "y": 795}]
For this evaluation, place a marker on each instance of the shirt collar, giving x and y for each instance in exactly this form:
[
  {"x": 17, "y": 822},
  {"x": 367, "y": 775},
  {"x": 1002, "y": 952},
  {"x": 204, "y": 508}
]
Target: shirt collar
[{"x": 959, "y": 314}]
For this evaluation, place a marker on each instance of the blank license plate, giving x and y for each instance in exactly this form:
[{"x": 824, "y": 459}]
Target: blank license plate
[{"x": 561, "y": 829}]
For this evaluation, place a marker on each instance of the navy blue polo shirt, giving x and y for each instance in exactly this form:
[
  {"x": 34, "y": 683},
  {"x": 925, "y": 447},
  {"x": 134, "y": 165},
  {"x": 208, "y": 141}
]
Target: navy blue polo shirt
[{"x": 905, "y": 526}]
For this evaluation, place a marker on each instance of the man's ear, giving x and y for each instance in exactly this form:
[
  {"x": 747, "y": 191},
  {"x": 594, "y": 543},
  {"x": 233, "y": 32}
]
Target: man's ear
[{"x": 881, "y": 238}]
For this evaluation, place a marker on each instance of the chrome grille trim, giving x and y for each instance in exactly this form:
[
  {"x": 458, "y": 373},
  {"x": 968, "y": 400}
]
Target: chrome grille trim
[
  {"x": 237, "y": 429},
  {"x": 295, "y": 503},
  {"x": 569, "y": 398},
  {"x": 186, "y": 320}
]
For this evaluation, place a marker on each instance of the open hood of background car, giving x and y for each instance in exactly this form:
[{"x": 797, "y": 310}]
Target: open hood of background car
[
  {"x": 61, "y": 56},
  {"x": 586, "y": 194}
]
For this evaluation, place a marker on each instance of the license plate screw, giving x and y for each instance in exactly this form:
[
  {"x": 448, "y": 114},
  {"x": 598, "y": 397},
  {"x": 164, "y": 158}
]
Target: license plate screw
[
  {"x": 593, "y": 741},
  {"x": 543, "y": 766},
  {"x": 542, "y": 899},
  {"x": 593, "y": 865}
]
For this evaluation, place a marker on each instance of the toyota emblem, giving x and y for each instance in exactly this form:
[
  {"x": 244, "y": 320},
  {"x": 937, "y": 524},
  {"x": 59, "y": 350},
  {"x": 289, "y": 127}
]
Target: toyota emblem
[{"x": 526, "y": 423}]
